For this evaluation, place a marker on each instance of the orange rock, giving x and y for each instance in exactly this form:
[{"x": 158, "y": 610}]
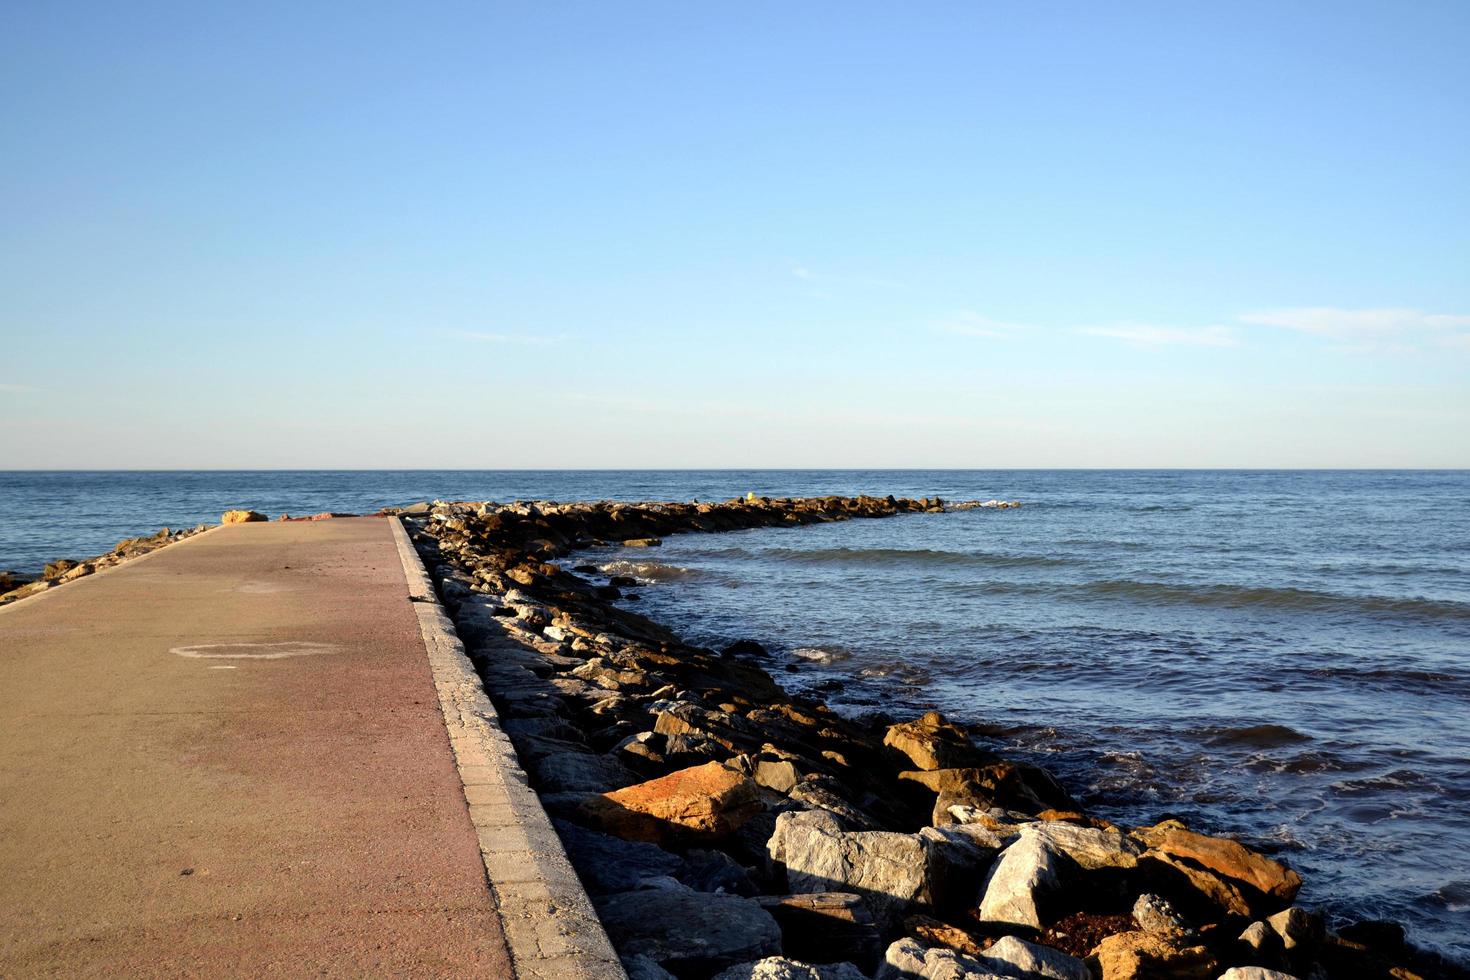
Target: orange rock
[
  {"x": 1232, "y": 860},
  {"x": 240, "y": 517},
  {"x": 1143, "y": 956},
  {"x": 703, "y": 802}
]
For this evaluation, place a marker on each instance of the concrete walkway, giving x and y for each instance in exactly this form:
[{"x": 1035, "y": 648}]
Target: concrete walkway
[{"x": 228, "y": 757}]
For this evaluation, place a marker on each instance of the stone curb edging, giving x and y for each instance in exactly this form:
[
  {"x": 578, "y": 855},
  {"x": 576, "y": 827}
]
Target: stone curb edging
[
  {"x": 551, "y": 929},
  {"x": 110, "y": 568}
]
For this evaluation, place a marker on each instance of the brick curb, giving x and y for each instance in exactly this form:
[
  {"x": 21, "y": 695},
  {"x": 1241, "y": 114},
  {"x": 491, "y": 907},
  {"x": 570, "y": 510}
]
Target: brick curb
[{"x": 551, "y": 929}]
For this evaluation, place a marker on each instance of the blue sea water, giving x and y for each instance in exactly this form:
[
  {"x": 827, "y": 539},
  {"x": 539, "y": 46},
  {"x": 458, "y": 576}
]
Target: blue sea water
[{"x": 1281, "y": 655}]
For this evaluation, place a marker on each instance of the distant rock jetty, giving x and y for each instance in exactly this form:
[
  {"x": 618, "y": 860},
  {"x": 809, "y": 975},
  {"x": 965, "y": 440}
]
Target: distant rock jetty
[
  {"x": 14, "y": 585},
  {"x": 727, "y": 829}
]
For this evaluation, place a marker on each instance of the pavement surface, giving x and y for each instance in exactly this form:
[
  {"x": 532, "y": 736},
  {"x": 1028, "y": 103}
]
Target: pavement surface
[{"x": 228, "y": 757}]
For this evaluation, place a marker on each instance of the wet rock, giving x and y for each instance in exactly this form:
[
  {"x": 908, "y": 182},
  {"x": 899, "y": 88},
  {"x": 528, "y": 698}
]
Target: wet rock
[
  {"x": 1016, "y": 957},
  {"x": 780, "y": 968},
  {"x": 705, "y": 802},
  {"x": 609, "y": 864},
  {"x": 689, "y": 932},
  {"x": 1145, "y": 956},
  {"x": 1021, "y": 884},
  {"x": 822, "y": 927},
  {"x": 642, "y": 543},
  {"x": 241, "y": 517},
  {"x": 1157, "y": 916},
  {"x": 908, "y": 960},
  {"x": 932, "y": 742}
]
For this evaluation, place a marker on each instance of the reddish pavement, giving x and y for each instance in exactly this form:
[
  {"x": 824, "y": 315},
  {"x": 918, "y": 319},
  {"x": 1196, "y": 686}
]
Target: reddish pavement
[{"x": 228, "y": 757}]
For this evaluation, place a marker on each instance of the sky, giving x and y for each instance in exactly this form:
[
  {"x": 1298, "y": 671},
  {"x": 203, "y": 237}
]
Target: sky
[{"x": 590, "y": 234}]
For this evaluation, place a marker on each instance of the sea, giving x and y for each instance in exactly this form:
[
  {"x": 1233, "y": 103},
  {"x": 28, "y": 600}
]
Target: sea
[{"x": 1279, "y": 655}]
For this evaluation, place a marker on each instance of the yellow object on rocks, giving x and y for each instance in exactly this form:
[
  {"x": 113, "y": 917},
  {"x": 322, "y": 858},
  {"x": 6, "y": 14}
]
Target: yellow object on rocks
[{"x": 240, "y": 517}]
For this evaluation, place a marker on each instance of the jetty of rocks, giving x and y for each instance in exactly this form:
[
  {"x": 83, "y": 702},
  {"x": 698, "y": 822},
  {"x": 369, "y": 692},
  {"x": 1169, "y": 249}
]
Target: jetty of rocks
[{"x": 724, "y": 828}]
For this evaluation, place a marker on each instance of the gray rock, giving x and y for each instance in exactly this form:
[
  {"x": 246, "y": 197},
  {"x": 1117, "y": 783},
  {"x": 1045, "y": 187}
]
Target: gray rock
[
  {"x": 1254, "y": 973},
  {"x": 780, "y": 968},
  {"x": 1155, "y": 914},
  {"x": 642, "y": 968},
  {"x": 955, "y": 865},
  {"x": 825, "y": 926},
  {"x": 907, "y": 960},
  {"x": 1020, "y": 882},
  {"x": 715, "y": 871},
  {"x": 689, "y": 932},
  {"x": 1297, "y": 927},
  {"x": 1015, "y": 957},
  {"x": 1260, "y": 939},
  {"x": 580, "y": 773},
  {"x": 1090, "y": 847},
  {"x": 779, "y": 776},
  {"x": 609, "y": 864}
]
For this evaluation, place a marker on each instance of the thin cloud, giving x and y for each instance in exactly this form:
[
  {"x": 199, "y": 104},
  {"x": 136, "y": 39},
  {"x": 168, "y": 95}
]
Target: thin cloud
[
  {"x": 510, "y": 339},
  {"x": 1143, "y": 335},
  {"x": 1355, "y": 325}
]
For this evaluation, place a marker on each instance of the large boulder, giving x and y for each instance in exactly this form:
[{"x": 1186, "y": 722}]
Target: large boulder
[
  {"x": 1228, "y": 873},
  {"x": 1022, "y": 883},
  {"x": 1090, "y": 848},
  {"x": 892, "y": 872},
  {"x": 705, "y": 802},
  {"x": 1016, "y": 957},
  {"x": 1254, "y": 973},
  {"x": 241, "y": 517},
  {"x": 688, "y": 932},
  {"x": 780, "y": 968},
  {"x": 1146, "y": 956}
]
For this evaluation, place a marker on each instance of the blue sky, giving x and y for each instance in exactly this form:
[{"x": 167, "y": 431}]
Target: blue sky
[{"x": 761, "y": 234}]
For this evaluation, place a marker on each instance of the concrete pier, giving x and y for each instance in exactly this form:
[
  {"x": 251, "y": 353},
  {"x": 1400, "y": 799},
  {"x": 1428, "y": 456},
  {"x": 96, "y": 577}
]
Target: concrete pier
[{"x": 230, "y": 757}]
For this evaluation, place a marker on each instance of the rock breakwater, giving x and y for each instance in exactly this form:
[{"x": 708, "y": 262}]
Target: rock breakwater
[
  {"x": 724, "y": 827},
  {"x": 14, "y": 586}
]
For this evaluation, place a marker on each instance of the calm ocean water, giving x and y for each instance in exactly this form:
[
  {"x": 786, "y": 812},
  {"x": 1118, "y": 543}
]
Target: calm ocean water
[{"x": 1282, "y": 655}]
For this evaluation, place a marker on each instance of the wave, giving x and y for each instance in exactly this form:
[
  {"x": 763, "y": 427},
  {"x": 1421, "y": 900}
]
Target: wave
[
  {"x": 915, "y": 556},
  {"x": 1306, "y": 600},
  {"x": 647, "y": 571}
]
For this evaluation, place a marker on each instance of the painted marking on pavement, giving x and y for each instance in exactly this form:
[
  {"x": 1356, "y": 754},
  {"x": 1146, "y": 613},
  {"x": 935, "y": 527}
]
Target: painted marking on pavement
[{"x": 255, "y": 651}]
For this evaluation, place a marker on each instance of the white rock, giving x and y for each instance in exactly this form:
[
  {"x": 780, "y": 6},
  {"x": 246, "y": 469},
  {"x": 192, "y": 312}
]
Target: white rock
[
  {"x": 907, "y": 960},
  {"x": 1254, "y": 973},
  {"x": 1090, "y": 847},
  {"x": 780, "y": 968},
  {"x": 1019, "y": 881}
]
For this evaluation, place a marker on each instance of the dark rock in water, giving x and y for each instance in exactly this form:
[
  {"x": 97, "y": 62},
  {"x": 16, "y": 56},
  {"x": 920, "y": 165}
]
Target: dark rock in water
[
  {"x": 586, "y": 569},
  {"x": 687, "y": 932},
  {"x": 746, "y": 648},
  {"x": 609, "y": 864},
  {"x": 622, "y": 581},
  {"x": 1375, "y": 933},
  {"x": 826, "y": 927}
]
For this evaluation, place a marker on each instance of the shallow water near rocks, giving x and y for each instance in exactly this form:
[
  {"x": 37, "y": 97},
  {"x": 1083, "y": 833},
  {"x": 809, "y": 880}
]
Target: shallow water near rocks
[{"x": 1281, "y": 655}]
